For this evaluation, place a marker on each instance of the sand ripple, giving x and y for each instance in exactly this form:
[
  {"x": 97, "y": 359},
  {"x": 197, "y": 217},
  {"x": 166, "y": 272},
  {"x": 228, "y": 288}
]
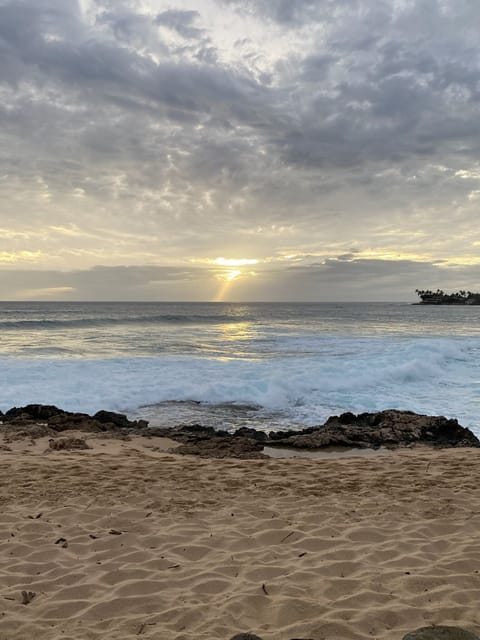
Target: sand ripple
[{"x": 126, "y": 542}]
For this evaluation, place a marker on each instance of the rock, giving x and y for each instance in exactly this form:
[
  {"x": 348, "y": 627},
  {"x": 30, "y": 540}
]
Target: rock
[
  {"x": 118, "y": 419},
  {"x": 222, "y": 447},
  {"x": 28, "y": 596},
  {"x": 253, "y": 434},
  {"x": 34, "y": 411},
  {"x": 27, "y": 430},
  {"x": 67, "y": 443},
  {"x": 245, "y": 636},
  {"x": 440, "y": 633},
  {"x": 60, "y": 420},
  {"x": 196, "y": 432},
  {"x": 389, "y": 428}
]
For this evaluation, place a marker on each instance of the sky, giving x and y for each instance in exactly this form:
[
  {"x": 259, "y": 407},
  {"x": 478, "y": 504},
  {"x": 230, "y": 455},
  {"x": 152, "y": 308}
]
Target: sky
[{"x": 236, "y": 150}]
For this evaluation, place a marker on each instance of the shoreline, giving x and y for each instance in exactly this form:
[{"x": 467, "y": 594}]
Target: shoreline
[
  {"x": 391, "y": 429},
  {"x": 126, "y": 538}
]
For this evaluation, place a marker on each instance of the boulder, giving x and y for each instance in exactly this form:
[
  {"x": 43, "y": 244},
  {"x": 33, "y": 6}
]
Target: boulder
[
  {"x": 60, "y": 420},
  {"x": 119, "y": 420},
  {"x": 390, "y": 428},
  {"x": 41, "y": 412}
]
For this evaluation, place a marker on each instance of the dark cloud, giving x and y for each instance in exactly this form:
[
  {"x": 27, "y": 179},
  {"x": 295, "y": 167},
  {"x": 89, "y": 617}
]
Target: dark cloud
[{"x": 180, "y": 21}]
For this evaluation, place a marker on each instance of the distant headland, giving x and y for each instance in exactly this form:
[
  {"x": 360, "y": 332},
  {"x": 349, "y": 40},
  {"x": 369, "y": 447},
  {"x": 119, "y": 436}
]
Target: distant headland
[{"x": 440, "y": 297}]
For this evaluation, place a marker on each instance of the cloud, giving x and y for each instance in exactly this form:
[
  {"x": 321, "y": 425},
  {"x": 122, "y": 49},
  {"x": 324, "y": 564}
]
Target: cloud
[
  {"x": 104, "y": 283},
  {"x": 247, "y": 130},
  {"x": 180, "y": 21},
  {"x": 334, "y": 279}
]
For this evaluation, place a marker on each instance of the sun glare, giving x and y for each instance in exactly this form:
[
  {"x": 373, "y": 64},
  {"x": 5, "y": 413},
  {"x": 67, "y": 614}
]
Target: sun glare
[
  {"x": 231, "y": 275},
  {"x": 233, "y": 271},
  {"x": 234, "y": 262}
]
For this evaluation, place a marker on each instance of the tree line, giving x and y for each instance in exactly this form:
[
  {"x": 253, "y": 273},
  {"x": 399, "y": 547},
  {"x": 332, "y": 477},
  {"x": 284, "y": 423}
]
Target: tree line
[{"x": 440, "y": 297}]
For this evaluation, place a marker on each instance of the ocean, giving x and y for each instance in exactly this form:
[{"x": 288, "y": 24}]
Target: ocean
[{"x": 226, "y": 365}]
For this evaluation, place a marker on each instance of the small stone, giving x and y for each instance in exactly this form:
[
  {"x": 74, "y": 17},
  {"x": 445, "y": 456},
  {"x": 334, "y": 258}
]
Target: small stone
[
  {"x": 245, "y": 636},
  {"x": 440, "y": 633},
  {"x": 63, "y": 444},
  {"x": 28, "y": 596}
]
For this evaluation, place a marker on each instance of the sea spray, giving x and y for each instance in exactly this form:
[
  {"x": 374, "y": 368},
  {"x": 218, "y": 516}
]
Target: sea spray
[{"x": 255, "y": 365}]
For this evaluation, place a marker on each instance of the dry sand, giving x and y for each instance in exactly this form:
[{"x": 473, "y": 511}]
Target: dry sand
[{"x": 126, "y": 540}]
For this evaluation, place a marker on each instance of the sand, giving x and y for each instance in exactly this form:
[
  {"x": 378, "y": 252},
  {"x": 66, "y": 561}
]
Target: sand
[{"x": 126, "y": 540}]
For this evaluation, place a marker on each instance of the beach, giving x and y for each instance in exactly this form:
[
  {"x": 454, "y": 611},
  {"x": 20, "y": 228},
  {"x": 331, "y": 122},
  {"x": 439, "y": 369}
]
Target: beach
[{"x": 128, "y": 539}]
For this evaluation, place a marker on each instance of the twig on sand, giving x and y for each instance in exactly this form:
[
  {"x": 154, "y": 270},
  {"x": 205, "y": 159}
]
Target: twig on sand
[
  {"x": 287, "y": 536},
  {"x": 264, "y": 589},
  {"x": 143, "y": 626}
]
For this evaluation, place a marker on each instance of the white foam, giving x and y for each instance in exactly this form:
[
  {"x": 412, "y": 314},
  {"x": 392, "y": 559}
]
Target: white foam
[{"x": 437, "y": 376}]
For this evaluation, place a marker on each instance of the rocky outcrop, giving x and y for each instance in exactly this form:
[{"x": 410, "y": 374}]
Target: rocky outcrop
[
  {"x": 382, "y": 429},
  {"x": 119, "y": 420},
  {"x": 60, "y": 420},
  {"x": 390, "y": 429},
  {"x": 206, "y": 442}
]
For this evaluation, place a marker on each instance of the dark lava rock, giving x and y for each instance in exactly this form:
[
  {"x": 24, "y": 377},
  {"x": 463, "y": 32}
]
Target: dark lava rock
[
  {"x": 223, "y": 447},
  {"x": 60, "y": 420},
  {"x": 389, "y": 428},
  {"x": 440, "y": 633},
  {"x": 367, "y": 430},
  {"x": 253, "y": 434},
  {"x": 245, "y": 636},
  {"x": 194, "y": 432},
  {"x": 118, "y": 419},
  {"x": 208, "y": 442},
  {"x": 35, "y": 412}
]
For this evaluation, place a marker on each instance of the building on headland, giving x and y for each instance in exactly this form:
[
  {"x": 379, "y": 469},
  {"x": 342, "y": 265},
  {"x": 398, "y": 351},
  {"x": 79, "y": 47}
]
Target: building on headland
[{"x": 440, "y": 297}]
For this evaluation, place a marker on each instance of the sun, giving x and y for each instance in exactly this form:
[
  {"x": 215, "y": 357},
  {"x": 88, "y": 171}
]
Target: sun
[
  {"x": 234, "y": 262},
  {"x": 229, "y": 276}
]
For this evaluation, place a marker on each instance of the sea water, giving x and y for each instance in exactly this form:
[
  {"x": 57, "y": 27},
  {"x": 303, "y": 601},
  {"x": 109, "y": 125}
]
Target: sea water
[{"x": 268, "y": 366}]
